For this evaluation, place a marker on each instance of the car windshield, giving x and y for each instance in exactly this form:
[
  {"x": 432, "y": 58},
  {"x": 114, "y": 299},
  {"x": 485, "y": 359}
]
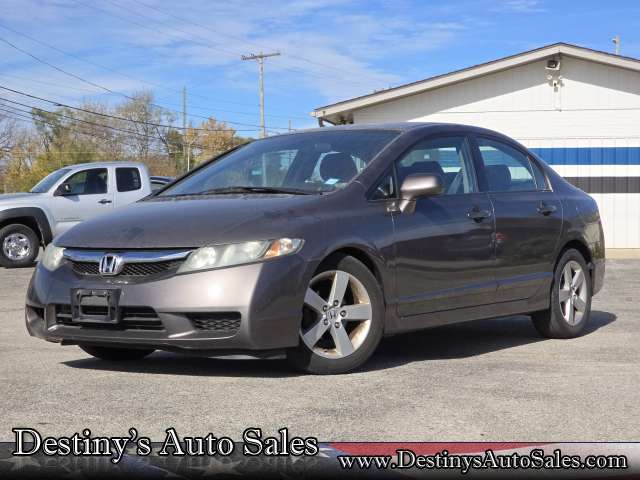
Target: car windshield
[
  {"x": 302, "y": 163},
  {"x": 49, "y": 181}
]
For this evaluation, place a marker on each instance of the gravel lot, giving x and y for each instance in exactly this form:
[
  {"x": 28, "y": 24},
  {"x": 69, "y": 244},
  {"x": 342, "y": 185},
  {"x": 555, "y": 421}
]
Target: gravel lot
[{"x": 488, "y": 380}]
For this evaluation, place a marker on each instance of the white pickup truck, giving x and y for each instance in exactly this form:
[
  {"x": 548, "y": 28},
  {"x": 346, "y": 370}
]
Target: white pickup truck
[{"x": 63, "y": 199}]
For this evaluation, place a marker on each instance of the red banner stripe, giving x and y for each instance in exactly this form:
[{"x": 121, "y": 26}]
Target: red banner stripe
[{"x": 426, "y": 448}]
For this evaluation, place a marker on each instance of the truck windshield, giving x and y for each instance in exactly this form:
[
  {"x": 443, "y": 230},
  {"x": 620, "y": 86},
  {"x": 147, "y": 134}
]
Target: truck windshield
[
  {"x": 49, "y": 181},
  {"x": 311, "y": 162}
]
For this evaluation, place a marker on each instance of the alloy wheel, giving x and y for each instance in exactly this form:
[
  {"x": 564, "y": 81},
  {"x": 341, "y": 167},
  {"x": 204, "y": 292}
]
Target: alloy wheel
[
  {"x": 573, "y": 294},
  {"x": 337, "y": 314},
  {"x": 16, "y": 246}
]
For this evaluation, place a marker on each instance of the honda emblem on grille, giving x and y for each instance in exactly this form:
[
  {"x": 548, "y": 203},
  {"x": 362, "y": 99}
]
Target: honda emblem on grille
[{"x": 110, "y": 264}]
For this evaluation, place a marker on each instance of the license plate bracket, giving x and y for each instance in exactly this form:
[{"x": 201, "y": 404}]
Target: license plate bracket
[{"x": 95, "y": 305}]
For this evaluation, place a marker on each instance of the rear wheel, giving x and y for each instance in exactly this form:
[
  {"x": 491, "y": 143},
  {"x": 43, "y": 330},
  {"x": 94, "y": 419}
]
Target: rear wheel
[
  {"x": 570, "y": 305},
  {"x": 19, "y": 246},
  {"x": 342, "y": 320},
  {"x": 116, "y": 354}
]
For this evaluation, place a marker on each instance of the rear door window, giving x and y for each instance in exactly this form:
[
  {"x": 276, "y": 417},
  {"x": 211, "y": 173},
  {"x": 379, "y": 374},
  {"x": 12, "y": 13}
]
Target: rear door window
[{"x": 128, "y": 179}]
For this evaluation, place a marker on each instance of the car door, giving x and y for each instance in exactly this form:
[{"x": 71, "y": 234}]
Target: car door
[
  {"x": 87, "y": 194},
  {"x": 444, "y": 251},
  {"x": 528, "y": 217}
]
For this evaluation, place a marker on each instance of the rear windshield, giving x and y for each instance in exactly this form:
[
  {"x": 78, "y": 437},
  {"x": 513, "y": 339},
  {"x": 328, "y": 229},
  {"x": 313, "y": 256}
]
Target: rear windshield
[{"x": 307, "y": 162}]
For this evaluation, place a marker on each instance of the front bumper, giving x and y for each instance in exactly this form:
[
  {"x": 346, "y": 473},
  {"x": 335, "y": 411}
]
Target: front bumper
[{"x": 262, "y": 303}]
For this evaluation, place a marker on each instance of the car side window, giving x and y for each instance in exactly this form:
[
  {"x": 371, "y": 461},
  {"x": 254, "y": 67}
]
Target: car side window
[
  {"x": 128, "y": 179},
  {"x": 88, "y": 182},
  {"x": 506, "y": 169},
  {"x": 447, "y": 157}
]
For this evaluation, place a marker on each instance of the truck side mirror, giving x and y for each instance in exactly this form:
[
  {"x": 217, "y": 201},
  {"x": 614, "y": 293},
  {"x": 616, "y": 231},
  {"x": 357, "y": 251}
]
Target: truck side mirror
[{"x": 62, "y": 190}]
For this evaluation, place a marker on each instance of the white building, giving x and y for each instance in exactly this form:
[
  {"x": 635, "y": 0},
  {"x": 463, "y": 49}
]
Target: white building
[{"x": 577, "y": 108}]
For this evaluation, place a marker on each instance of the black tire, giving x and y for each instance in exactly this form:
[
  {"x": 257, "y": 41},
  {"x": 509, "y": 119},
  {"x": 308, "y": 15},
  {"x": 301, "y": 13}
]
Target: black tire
[
  {"x": 34, "y": 246},
  {"x": 116, "y": 354},
  {"x": 551, "y": 323},
  {"x": 305, "y": 359}
]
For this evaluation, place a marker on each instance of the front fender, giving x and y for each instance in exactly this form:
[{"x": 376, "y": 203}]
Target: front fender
[{"x": 36, "y": 213}]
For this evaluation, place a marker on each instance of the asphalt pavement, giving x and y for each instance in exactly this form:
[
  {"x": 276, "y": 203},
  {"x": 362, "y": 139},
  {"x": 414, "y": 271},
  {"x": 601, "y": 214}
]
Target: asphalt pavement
[{"x": 488, "y": 380}]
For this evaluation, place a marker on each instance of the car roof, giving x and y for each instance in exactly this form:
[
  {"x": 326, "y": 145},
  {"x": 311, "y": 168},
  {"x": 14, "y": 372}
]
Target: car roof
[
  {"x": 104, "y": 164},
  {"x": 427, "y": 127}
]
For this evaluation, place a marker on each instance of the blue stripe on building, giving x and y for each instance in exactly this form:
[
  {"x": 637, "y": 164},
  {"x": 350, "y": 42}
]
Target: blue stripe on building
[{"x": 590, "y": 156}]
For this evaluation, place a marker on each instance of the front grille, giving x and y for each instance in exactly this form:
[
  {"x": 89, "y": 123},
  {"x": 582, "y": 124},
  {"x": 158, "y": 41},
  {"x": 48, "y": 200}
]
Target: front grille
[
  {"x": 85, "y": 268},
  {"x": 129, "y": 270},
  {"x": 220, "y": 322},
  {"x": 131, "y": 318},
  {"x": 151, "y": 268}
]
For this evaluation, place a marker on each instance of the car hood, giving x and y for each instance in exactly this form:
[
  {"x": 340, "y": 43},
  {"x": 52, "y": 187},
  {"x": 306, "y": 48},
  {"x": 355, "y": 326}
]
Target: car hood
[
  {"x": 193, "y": 222},
  {"x": 17, "y": 197}
]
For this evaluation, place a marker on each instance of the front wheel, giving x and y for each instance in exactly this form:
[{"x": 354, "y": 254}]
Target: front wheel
[
  {"x": 342, "y": 319},
  {"x": 19, "y": 246},
  {"x": 116, "y": 354},
  {"x": 570, "y": 306}
]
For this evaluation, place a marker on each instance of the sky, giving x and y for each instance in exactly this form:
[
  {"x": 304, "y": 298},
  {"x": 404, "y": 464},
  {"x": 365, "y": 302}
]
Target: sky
[{"x": 331, "y": 50}]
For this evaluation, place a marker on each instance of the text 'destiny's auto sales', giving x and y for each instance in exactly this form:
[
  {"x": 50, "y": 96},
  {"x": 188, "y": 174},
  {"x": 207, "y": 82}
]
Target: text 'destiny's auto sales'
[{"x": 29, "y": 441}]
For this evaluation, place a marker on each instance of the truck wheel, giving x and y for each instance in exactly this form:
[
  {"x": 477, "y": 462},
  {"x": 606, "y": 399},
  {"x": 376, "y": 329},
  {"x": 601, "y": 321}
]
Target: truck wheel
[
  {"x": 570, "y": 306},
  {"x": 116, "y": 354},
  {"x": 19, "y": 246}
]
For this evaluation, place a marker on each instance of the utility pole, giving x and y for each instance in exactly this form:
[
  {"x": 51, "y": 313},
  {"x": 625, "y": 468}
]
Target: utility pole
[
  {"x": 260, "y": 58},
  {"x": 616, "y": 42},
  {"x": 184, "y": 126}
]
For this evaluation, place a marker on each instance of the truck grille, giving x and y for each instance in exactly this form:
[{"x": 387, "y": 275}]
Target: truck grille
[
  {"x": 131, "y": 318},
  {"x": 219, "y": 322},
  {"x": 129, "y": 270}
]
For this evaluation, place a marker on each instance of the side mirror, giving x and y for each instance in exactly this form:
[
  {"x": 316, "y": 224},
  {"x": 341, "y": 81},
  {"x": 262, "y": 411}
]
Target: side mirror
[
  {"x": 416, "y": 186},
  {"x": 62, "y": 190}
]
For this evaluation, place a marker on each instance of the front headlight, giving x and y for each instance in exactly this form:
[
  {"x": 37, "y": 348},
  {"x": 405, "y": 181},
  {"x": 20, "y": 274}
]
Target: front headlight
[
  {"x": 217, "y": 256},
  {"x": 52, "y": 257}
]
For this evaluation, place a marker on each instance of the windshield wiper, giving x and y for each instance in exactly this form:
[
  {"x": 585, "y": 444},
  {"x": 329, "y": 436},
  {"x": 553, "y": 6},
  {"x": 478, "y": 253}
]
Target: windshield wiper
[{"x": 247, "y": 189}]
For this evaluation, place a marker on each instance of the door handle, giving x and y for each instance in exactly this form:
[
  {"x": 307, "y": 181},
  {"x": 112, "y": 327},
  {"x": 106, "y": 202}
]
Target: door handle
[
  {"x": 544, "y": 209},
  {"x": 478, "y": 215},
  {"x": 104, "y": 201}
]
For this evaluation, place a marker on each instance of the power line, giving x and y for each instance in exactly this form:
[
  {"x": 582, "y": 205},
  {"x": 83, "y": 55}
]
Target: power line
[
  {"x": 160, "y": 125},
  {"x": 205, "y": 27},
  {"x": 51, "y": 84},
  {"x": 22, "y": 117},
  {"x": 118, "y": 72},
  {"x": 197, "y": 107},
  {"x": 79, "y": 120},
  {"x": 115, "y": 92},
  {"x": 206, "y": 43},
  {"x": 42, "y": 120}
]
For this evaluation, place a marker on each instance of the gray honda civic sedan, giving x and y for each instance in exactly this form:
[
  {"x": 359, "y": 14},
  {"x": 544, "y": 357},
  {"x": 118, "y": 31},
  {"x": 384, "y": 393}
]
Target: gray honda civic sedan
[{"x": 321, "y": 242}]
